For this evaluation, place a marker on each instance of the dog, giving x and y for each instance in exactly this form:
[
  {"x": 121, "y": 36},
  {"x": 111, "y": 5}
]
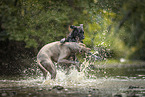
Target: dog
[
  {"x": 76, "y": 35},
  {"x": 60, "y": 53}
]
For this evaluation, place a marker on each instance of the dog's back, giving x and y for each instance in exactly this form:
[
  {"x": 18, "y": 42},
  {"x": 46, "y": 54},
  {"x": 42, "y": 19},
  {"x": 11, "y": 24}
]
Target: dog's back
[
  {"x": 48, "y": 50},
  {"x": 53, "y": 50}
]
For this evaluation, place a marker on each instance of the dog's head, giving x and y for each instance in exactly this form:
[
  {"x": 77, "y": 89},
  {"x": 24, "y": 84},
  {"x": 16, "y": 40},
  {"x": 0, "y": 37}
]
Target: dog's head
[{"x": 77, "y": 33}]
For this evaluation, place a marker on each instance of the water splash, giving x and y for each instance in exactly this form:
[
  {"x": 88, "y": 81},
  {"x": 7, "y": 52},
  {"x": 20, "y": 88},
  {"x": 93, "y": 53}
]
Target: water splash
[{"x": 75, "y": 78}]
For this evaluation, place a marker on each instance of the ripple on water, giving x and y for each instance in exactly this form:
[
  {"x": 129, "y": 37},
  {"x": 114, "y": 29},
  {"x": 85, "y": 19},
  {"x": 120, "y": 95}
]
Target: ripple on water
[{"x": 74, "y": 79}]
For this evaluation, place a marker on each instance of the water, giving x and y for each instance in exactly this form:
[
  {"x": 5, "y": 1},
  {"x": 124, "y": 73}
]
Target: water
[{"x": 98, "y": 82}]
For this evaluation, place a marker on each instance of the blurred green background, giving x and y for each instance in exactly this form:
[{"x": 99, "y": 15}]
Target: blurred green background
[{"x": 114, "y": 28}]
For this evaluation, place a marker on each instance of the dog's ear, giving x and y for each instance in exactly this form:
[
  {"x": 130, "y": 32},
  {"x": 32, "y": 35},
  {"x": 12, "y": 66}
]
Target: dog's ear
[{"x": 72, "y": 27}]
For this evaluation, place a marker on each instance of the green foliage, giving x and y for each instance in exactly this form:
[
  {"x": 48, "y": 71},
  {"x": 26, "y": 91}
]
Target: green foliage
[
  {"x": 126, "y": 36},
  {"x": 116, "y": 25},
  {"x": 35, "y": 21}
]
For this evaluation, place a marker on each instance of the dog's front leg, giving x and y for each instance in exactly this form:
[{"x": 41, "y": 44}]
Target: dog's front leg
[
  {"x": 64, "y": 58},
  {"x": 76, "y": 60},
  {"x": 64, "y": 61}
]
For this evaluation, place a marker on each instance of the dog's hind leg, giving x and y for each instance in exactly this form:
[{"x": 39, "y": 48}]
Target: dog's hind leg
[
  {"x": 43, "y": 69},
  {"x": 48, "y": 64}
]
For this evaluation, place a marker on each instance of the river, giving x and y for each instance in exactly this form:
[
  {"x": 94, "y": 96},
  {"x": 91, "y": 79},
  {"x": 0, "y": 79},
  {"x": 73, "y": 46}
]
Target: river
[{"x": 120, "y": 81}]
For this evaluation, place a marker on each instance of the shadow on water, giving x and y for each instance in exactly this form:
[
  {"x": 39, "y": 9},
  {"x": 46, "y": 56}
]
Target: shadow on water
[{"x": 98, "y": 82}]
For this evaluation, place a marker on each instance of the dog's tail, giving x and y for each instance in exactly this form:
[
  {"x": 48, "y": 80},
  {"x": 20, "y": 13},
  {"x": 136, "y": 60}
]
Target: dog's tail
[{"x": 42, "y": 67}]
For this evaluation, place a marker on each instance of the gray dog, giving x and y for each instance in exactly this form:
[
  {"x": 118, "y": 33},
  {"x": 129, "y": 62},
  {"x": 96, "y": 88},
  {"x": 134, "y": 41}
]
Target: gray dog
[{"x": 60, "y": 53}]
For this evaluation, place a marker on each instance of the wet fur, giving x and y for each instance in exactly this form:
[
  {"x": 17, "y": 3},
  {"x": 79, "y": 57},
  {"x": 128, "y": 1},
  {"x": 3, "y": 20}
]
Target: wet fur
[{"x": 60, "y": 53}]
